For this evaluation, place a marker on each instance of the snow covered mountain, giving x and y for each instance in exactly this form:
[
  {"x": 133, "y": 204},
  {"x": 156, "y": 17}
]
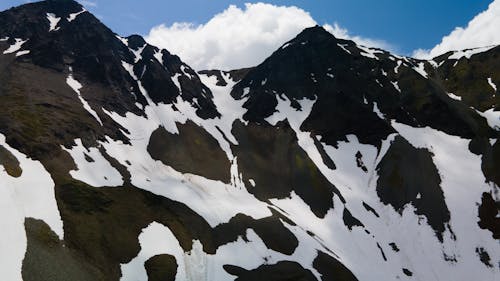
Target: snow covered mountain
[{"x": 328, "y": 161}]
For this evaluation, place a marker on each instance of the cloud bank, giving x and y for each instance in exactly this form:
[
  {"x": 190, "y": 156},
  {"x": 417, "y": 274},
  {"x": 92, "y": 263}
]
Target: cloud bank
[
  {"x": 238, "y": 37},
  {"x": 481, "y": 31}
]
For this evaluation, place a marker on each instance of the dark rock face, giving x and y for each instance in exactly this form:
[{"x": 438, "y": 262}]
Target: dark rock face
[
  {"x": 267, "y": 153},
  {"x": 468, "y": 78},
  {"x": 331, "y": 269},
  {"x": 347, "y": 86},
  {"x": 408, "y": 175},
  {"x": 282, "y": 271},
  {"x": 484, "y": 257},
  {"x": 38, "y": 115},
  {"x": 351, "y": 221},
  {"x": 161, "y": 268},
  {"x": 488, "y": 215},
  {"x": 48, "y": 259},
  {"x": 10, "y": 163},
  {"x": 193, "y": 150},
  {"x": 271, "y": 230}
]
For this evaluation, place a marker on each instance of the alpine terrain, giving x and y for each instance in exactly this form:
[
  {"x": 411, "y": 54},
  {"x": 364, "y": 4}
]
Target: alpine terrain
[{"x": 328, "y": 161}]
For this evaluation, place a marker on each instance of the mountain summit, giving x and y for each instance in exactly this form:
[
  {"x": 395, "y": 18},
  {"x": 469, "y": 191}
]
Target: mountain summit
[{"x": 328, "y": 161}]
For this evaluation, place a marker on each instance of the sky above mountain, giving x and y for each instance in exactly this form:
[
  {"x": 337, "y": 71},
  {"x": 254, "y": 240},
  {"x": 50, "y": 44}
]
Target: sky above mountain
[{"x": 216, "y": 34}]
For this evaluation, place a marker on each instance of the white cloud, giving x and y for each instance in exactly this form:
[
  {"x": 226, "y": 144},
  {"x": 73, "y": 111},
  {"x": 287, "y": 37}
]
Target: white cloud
[
  {"x": 481, "y": 31},
  {"x": 343, "y": 33},
  {"x": 238, "y": 37}
]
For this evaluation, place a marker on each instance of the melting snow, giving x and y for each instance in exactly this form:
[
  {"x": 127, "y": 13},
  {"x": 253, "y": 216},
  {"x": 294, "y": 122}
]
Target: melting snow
[
  {"x": 490, "y": 81},
  {"x": 22, "y": 53},
  {"x": 469, "y": 53},
  {"x": 368, "y": 52},
  {"x": 397, "y": 66},
  {"x": 73, "y": 16},
  {"x": 493, "y": 118},
  {"x": 455, "y": 97},
  {"x": 29, "y": 196},
  {"x": 286, "y": 45},
  {"x": 76, "y": 86},
  {"x": 123, "y": 40},
  {"x": 343, "y": 47},
  {"x": 396, "y": 85},
  {"x": 53, "y": 21},
  {"x": 421, "y": 70},
  {"x": 15, "y": 47},
  {"x": 377, "y": 111},
  {"x": 156, "y": 239},
  {"x": 159, "y": 56},
  {"x": 138, "y": 53},
  {"x": 96, "y": 171},
  {"x": 252, "y": 182}
]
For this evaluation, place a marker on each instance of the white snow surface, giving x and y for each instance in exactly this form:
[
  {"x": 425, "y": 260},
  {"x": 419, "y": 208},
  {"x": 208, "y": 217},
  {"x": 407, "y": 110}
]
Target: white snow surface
[
  {"x": 490, "y": 81},
  {"x": 396, "y": 86},
  {"x": 469, "y": 52},
  {"x": 344, "y": 48},
  {"x": 420, "y": 69},
  {"x": 455, "y": 97},
  {"x": 420, "y": 250},
  {"x": 53, "y": 21},
  {"x": 492, "y": 117},
  {"x": 29, "y": 196},
  {"x": 22, "y": 53},
  {"x": 98, "y": 172},
  {"x": 15, "y": 47},
  {"x": 73, "y": 16},
  {"x": 369, "y": 52},
  {"x": 215, "y": 201}
]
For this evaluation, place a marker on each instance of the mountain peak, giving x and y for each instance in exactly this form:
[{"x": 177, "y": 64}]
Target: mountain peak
[{"x": 316, "y": 32}]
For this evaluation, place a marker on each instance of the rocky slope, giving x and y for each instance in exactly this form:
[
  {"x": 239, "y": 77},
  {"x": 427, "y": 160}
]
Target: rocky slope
[{"x": 328, "y": 161}]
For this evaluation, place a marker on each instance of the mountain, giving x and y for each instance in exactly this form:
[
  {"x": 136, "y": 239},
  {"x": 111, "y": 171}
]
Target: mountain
[{"x": 327, "y": 161}]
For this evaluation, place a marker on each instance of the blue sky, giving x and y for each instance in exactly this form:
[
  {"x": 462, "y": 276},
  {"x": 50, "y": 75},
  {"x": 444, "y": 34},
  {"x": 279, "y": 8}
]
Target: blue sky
[{"x": 405, "y": 24}]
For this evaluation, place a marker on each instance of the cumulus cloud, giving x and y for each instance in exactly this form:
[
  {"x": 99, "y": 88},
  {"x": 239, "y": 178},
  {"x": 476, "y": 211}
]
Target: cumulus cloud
[
  {"x": 481, "y": 31},
  {"x": 239, "y": 37},
  {"x": 343, "y": 33}
]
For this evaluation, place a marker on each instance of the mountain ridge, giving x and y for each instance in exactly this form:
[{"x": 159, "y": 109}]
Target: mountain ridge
[{"x": 327, "y": 161}]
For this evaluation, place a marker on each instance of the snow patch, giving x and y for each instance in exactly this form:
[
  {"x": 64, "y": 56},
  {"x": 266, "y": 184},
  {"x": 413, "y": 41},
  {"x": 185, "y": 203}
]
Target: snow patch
[
  {"x": 492, "y": 117},
  {"x": 396, "y": 69},
  {"x": 369, "y": 52},
  {"x": 76, "y": 86},
  {"x": 490, "y": 81},
  {"x": 252, "y": 182},
  {"x": 29, "y": 196},
  {"x": 420, "y": 69},
  {"x": 53, "y": 21},
  {"x": 396, "y": 86},
  {"x": 377, "y": 111},
  {"x": 285, "y": 46},
  {"x": 22, "y": 53},
  {"x": 123, "y": 40},
  {"x": 15, "y": 47},
  {"x": 469, "y": 52},
  {"x": 96, "y": 170},
  {"x": 455, "y": 97},
  {"x": 343, "y": 47},
  {"x": 73, "y": 16}
]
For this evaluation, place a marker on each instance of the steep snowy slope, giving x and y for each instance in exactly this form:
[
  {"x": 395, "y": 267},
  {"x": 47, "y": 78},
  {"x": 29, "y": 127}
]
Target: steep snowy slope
[{"x": 328, "y": 161}]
